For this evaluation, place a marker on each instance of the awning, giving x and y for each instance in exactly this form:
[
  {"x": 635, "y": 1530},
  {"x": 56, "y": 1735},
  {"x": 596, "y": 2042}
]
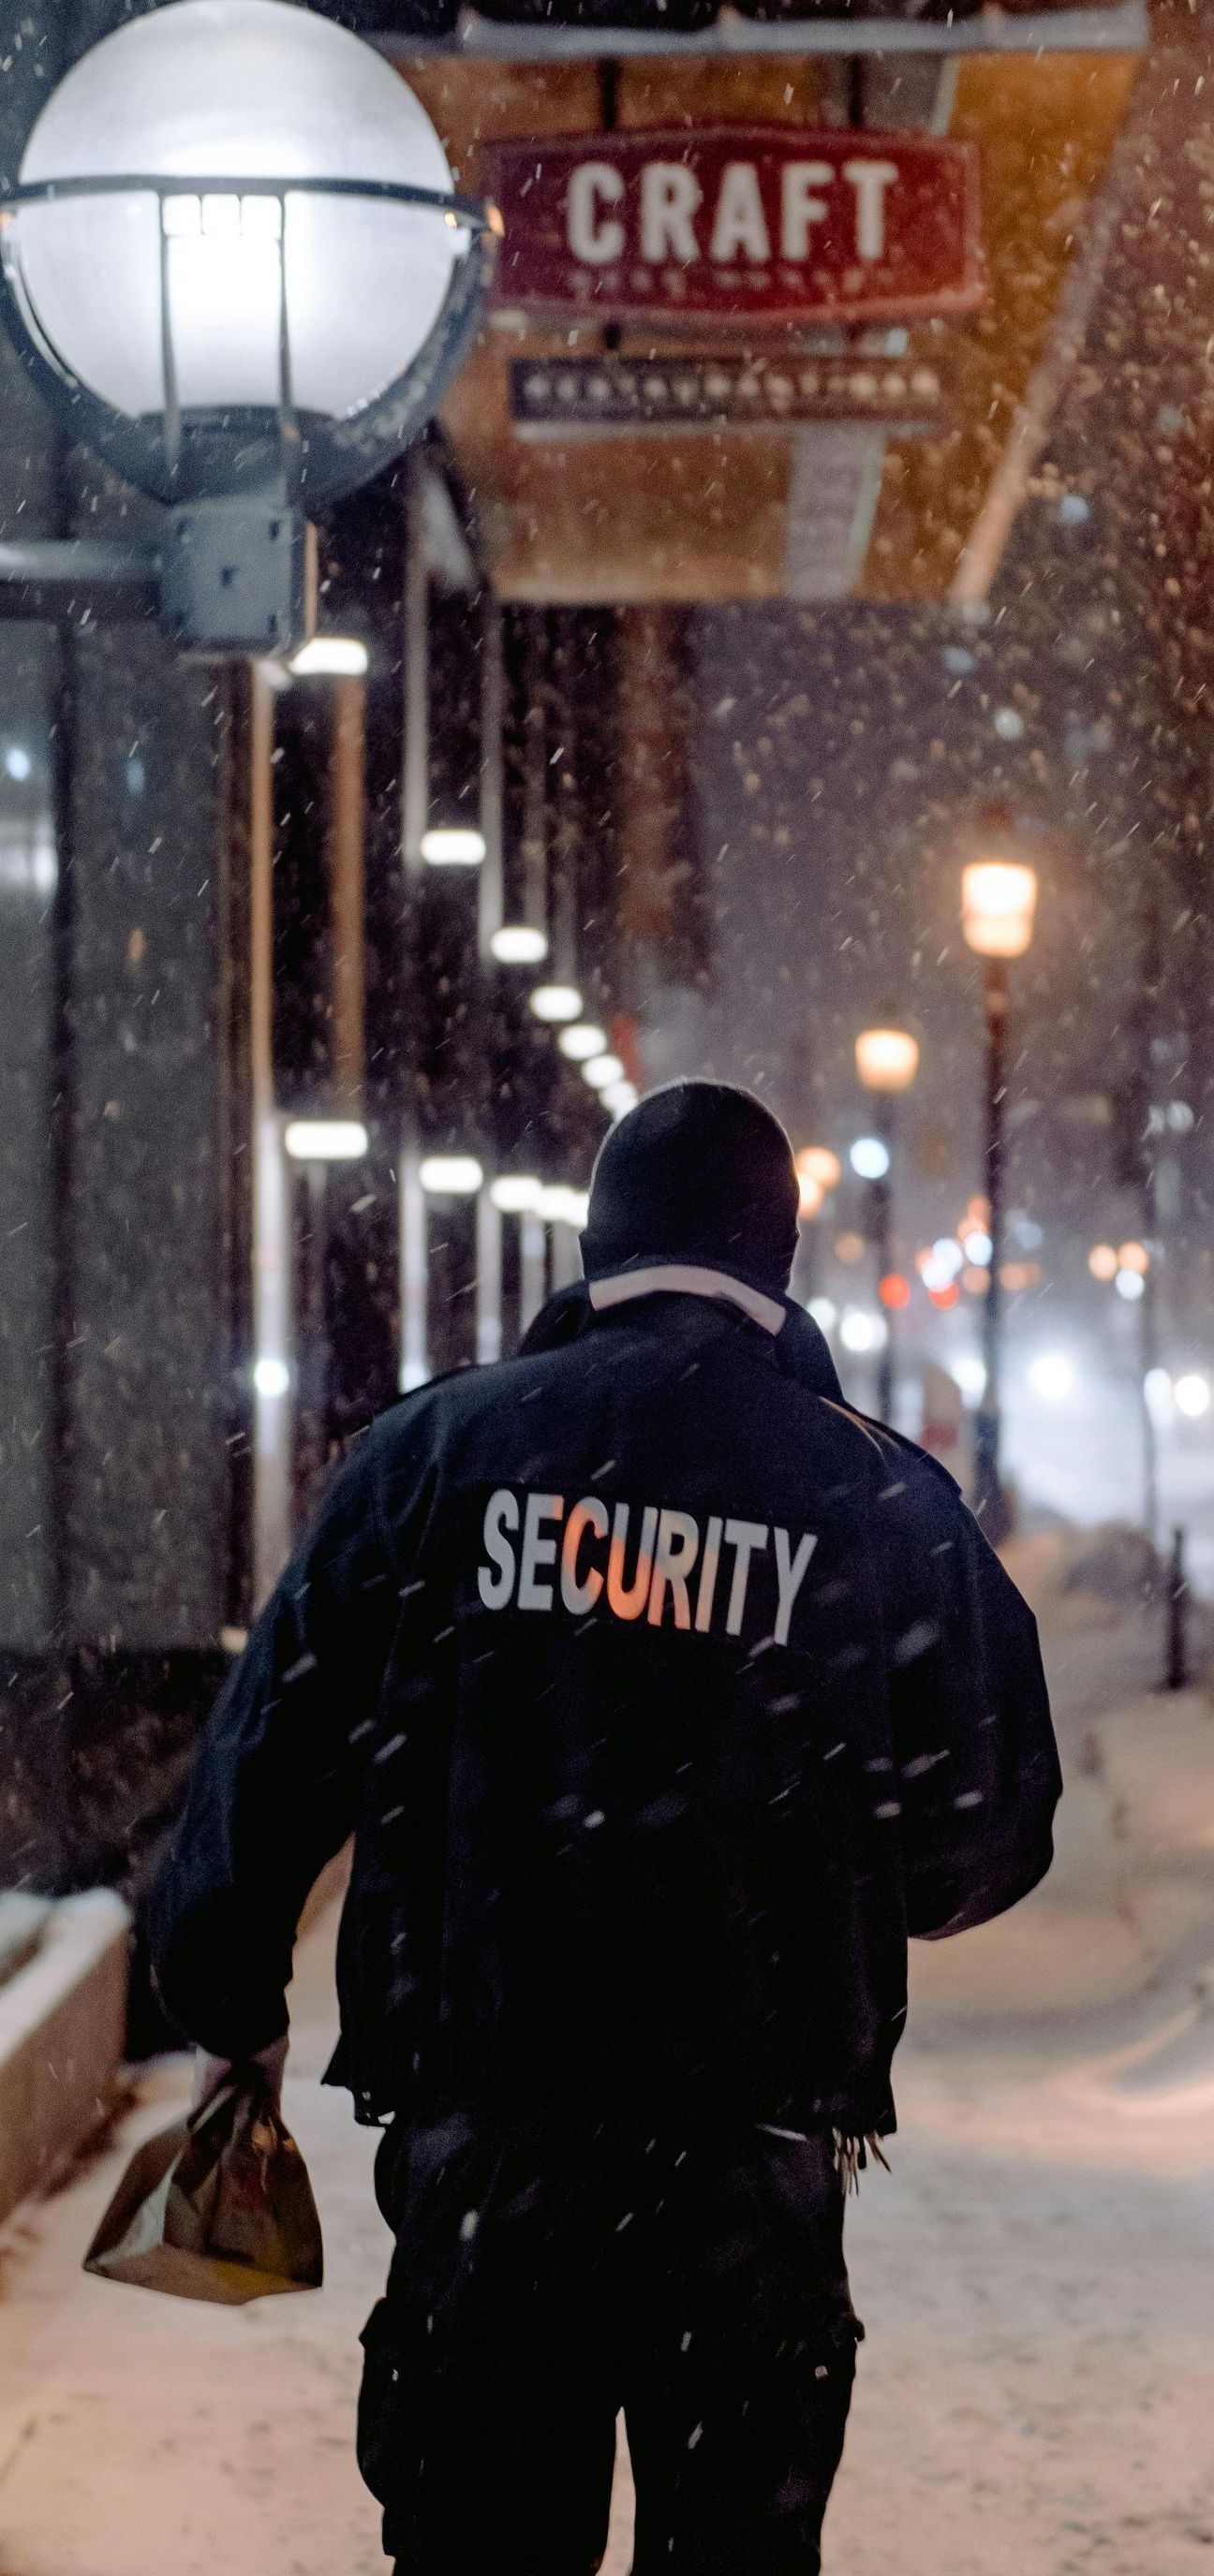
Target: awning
[
  {"x": 572, "y": 30},
  {"x": 737, "y": 479}
]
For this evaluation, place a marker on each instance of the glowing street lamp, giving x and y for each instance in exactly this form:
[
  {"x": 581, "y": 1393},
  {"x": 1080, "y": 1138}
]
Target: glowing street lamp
[
  {"x": 887, "y": 1060},
  {"x": 817, "y": 1163},
  {"x": 998, "y": 906},
  {"x": 235, "y": 264}
]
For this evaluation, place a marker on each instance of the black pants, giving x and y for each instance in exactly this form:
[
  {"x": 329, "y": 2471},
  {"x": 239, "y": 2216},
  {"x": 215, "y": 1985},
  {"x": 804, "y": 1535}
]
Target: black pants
[{"x": 548, "y": 2274}]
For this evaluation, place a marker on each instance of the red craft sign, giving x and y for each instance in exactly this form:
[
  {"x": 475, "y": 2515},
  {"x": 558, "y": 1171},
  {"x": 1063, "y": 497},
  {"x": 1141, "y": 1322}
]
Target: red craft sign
[{"x": 739, "y": 225}]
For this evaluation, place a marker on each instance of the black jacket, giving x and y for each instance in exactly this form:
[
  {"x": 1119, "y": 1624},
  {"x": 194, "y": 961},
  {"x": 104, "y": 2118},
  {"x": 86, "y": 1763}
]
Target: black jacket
[{"x": 663, "y": 1696}]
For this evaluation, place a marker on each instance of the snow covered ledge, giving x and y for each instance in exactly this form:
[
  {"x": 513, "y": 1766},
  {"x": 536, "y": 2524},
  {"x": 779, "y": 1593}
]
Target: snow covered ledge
[{"x": 62, "y": 2014}]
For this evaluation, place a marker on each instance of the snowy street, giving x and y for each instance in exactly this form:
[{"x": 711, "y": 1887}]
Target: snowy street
[
  {"x": 607, "y": 1034},
  {"x": 1037, "y": 2388}
]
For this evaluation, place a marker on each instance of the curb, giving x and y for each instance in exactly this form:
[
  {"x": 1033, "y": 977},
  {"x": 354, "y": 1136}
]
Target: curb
[{"x": 62, "y": 2018}]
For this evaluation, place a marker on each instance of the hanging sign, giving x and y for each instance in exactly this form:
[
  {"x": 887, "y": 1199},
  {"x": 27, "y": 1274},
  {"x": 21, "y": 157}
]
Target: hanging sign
[{"x": 738, "y": 225}]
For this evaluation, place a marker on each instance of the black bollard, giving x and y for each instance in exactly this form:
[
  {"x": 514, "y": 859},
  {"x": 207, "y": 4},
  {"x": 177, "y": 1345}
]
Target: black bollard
[{"x": 1176, "y": 1676}]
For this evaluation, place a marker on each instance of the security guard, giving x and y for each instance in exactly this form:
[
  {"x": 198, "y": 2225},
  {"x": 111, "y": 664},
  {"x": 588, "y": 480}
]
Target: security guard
[{"x": 663, "y": 1695}]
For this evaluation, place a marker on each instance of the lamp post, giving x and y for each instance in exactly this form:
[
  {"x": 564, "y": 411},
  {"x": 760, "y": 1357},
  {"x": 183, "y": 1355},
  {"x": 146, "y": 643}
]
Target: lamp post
[
  {"x": 887, "y": 1060},
  {"x": 235, "y": 267},
  {"x": 998, "y": 903}
]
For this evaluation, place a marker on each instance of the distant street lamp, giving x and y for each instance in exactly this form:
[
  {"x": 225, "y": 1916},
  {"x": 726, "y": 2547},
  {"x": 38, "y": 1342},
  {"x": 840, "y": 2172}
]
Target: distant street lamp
[
  {"x": 998, "y": 903},
  {"x": 887, "y": 1060},
  {"x": 819, "y": 1172}
]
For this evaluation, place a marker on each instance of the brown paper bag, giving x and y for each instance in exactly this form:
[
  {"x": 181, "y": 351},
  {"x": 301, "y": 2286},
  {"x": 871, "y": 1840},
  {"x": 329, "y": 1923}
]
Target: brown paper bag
[{"x": 219, "y": 2206}]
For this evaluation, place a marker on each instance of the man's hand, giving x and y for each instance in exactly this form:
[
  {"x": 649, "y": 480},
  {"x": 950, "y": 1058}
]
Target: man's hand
[{"x": 210, "y": 2072}]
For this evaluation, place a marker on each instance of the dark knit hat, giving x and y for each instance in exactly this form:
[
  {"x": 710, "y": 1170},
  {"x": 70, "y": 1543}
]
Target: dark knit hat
[{"x": 698, "y": 1172}]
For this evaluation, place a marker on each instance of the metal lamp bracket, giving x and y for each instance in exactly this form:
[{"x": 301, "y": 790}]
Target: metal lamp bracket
[{"x": 231, "y": 570}]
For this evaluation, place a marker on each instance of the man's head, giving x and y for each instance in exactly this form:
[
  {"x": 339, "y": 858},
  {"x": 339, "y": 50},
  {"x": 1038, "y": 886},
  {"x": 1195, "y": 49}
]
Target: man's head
[{"x": 698, "y": 1172}]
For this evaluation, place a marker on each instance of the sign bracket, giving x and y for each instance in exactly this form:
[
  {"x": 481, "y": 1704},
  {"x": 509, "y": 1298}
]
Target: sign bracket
[{"x": 1122, "y": 28}]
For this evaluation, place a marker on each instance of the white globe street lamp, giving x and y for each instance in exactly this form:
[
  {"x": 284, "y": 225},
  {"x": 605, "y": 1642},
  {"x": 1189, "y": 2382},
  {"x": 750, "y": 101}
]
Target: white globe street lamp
[{"x": 235, "y": 264}]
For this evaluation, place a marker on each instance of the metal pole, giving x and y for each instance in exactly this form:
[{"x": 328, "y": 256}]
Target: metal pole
[
  {"x": 415, "y": 758},
  {"x": 1148, "y": 1360},
  {"x": 566, "y": 1264},
  {"x": 414, "y": 1314},
  {"x": 533, "y": 1269},
  {"x": 535, "y": 774},
  {"x": 347, "y": 871},
  {"x": 490, "y": 914},
  {"x": 491, "y": 892},
  {"x": 312, "y": 1341},
  {"x": 990, "y": 1501},
  {"x": 1177, "y": 1674},
  {"x": 412, "y": 1268},
  {"x": 883, "y": 1237},
  {"x": 488, "y": 1279},
  {"x": 272, "y": 1338},
  {"x": 1147, "y": 1024}
]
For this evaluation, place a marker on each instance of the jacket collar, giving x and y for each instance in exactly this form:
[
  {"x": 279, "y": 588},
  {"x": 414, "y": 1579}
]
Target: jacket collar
[
  {"x": 799, "y": 1349},
  {"x": 686, "y": 1279}
]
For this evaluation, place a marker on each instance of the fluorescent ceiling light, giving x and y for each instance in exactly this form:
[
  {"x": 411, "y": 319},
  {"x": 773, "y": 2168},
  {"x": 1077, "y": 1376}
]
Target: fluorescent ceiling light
[
  {"x": 516, "y": 944},
  {"x": 581, "y": 1040},
  {"x": 559, "y": 1205},
  {"x": 453, "y": 845},
  {"x": 455, "y": 1176},
  {"x": 554, "y": 1002},
  {"x": 603, "y": 1071},
  {"x": 330, "y": 657},
  {"x": 514, "y": 1192},
  {"x": 271, "y": 1377},
  {"x": 325, "y": 1140},
  {"x": 619, "y": 1098}
]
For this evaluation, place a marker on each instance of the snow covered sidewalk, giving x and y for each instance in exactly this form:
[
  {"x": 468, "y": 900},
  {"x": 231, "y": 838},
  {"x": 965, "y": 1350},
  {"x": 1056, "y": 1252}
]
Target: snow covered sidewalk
[
  {"x": 1037, "y": 2390},
  {"x": 142, "y": 2436}
]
